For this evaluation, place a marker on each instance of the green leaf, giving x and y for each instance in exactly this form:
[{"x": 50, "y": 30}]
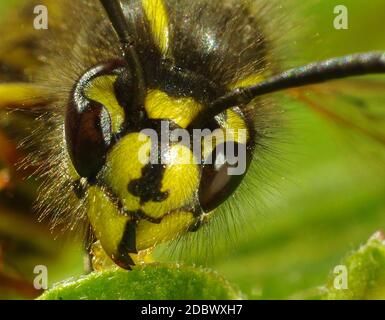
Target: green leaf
[
  {"x": 365, "y": 273},
  {"x": 153, "y": 282}
]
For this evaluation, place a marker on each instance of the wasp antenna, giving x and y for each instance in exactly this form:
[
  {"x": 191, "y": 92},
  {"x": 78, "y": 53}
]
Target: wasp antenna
[
  {"x": 314, "y": 73},
  {"x": 116, "y": 16}
]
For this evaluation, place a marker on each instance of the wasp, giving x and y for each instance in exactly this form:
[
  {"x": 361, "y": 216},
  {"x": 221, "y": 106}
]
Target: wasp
[{"x": 108, "y": 73}]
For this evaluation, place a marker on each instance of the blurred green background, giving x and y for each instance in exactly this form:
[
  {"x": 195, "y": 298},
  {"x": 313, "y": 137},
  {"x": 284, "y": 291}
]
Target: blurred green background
[{"x": 322, "y": 196}]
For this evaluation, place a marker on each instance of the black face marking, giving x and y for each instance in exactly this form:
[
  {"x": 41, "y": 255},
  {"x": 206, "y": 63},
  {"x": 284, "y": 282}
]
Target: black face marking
[
  {"x": 127, "y": 245},
  {"x": 117, "y": 202},
  {"x": 148, "y": 187}
]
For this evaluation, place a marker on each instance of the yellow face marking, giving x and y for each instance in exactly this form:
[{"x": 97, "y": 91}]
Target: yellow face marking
[
  {"x": 126, "y": 161},
  {"x": 234, "y": 128},
  {"x": 247, "y": 82},
  {"x": 108, "y": 224},
  {"x": 20, "y": 95},
  {"x": 101, "y": 89},
  {"x": 149, "y": 234},
  {"x": 180, "y": 180},
  {"x": 235, "y": 122},
  {"x": 182, "y": 111},
  {"x": 156, "y": 13}
]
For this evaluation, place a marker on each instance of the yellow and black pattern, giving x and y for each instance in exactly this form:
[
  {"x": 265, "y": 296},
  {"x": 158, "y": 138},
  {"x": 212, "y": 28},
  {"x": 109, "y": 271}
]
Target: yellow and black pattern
[{"x": 191, "y": 54}]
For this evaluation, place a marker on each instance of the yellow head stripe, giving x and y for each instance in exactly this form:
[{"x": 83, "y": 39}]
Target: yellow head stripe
[
  {"x": 180, "y": 110},
  {"x": 156, "y": 13},
  {"x": 101, "y": 90},
  {"x": 247, "y": 82}
]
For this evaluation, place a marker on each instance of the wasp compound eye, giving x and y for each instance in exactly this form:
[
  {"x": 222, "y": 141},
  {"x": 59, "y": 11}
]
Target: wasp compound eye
[
  {"x": 94, "y": 115},
  {"x": 222, "y": 173}
]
